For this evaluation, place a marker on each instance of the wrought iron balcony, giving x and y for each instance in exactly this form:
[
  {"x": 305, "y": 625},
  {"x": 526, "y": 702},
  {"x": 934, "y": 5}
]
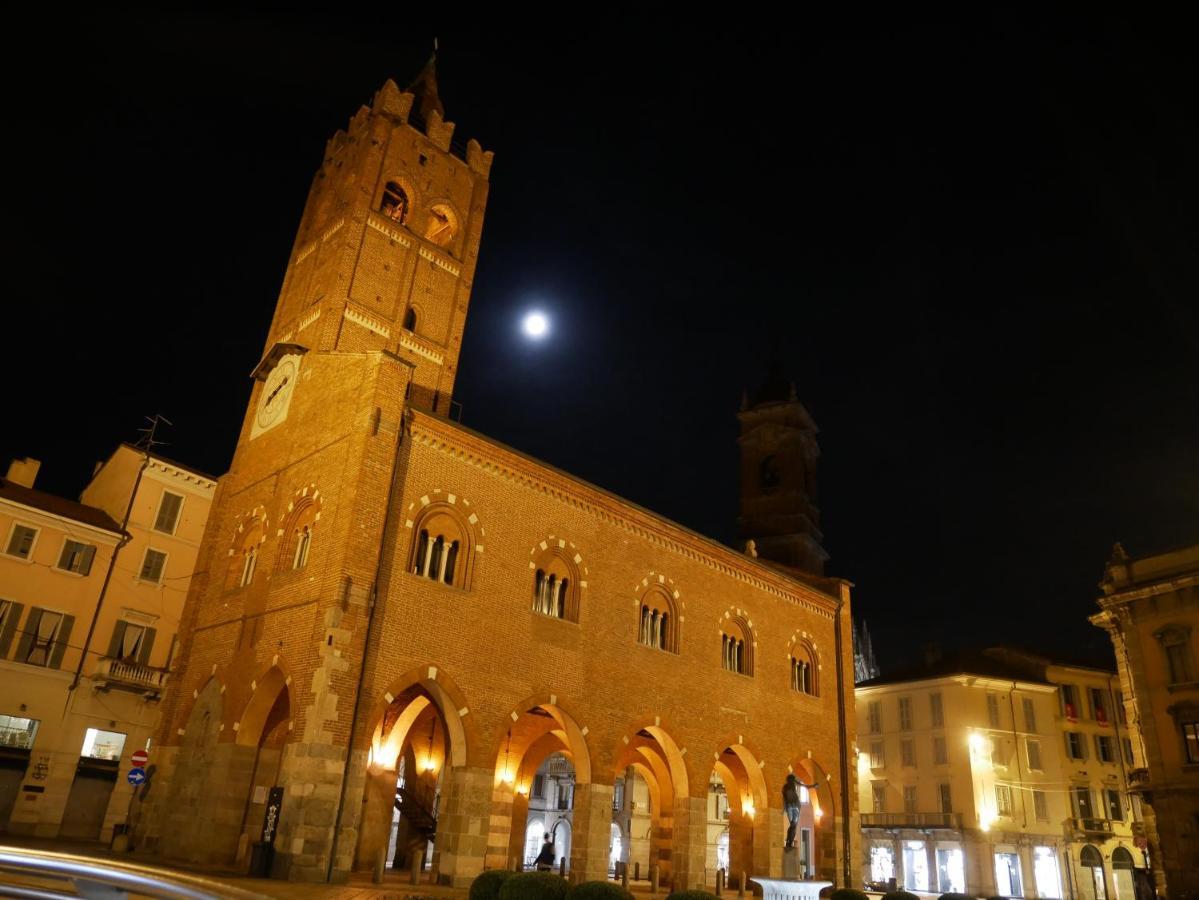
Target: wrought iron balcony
[
  {"x": 911, "y": 820},
  {"x": 1138, "y": 779},
  {"x": 1093, "y": 827},
  {"x": 130, "y": 676}
]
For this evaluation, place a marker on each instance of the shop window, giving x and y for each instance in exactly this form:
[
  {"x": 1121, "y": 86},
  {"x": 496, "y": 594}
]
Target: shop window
[
  {"x": 99, "y": 744},
  {"x": 17, "y": 732}
]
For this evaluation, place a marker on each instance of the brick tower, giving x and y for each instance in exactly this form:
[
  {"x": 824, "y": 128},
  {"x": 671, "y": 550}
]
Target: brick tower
[
  {"x": 368, "y": 324},
  {"x": 778, "y": 476}
]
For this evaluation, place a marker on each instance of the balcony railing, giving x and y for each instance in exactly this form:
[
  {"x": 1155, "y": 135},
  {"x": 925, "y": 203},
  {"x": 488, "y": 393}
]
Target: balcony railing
[
  {"x": 130, "y": 676},
  {"x": 1101, "y": 827},
  {"x": 1138, "y": 779},
  {"x": 911, "y": 820}
]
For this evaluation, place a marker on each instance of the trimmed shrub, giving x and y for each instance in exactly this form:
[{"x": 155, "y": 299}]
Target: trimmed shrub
[
  {"x": 534, "y": 886},
  {"x": 955, "y": 897},
  {"x": 486, "y": 885},
  {"x": 848, "y": 894},
  {"x": 598, "y": 890},
  {"x": 899, "y": 895},
  {"x": 691, "y": 895}
]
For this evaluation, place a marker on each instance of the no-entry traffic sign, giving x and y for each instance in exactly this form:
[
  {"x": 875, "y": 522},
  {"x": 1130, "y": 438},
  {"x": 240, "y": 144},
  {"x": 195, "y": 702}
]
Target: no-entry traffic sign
[{"x": 139, "y": 758}]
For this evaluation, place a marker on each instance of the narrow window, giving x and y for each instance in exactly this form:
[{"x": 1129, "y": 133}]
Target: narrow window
[
  {"x": 436, "y": 550},
  {"x": 168, "y": 513},
  {"x": 410, "y": 319},
  {"x": 1030, "y": 716},
  {"x": 303, "y": 539},
  {"x": 43, "y": 637},
  {"x": 874, "y": 716},
  {"x": 21, "y": 542},
  {"x": 1115, "y": 805},
  {"x": 423, "y": 549},
  {"x": 1003, "y": 800},
  {"x": 451, "y": 561},
  {"x": 905, "y": 713},
  {"x": 877, "y": 758},
  {"x": 944, "y": 797},
  {"x": 907, "y": 752},
  {"x": 1190, "y": 737},
  {"x": 993, "y": 710},
  {"x": 1034, "y": 755},
  {"x": 909, "y": 798},
  {"x": 938, "y": 712},
  {"x": 1040, "y": 806},
  {"x": 395, "y": 203},
  {"x": 940, "y": 751},
  {"x": 152, "y": 566},
  {"x": 1069, "y": 701},
  {"x": 77, "y": 557},
  {"x": 249, "y": 563},
  {"x": 879, "y": 791}
]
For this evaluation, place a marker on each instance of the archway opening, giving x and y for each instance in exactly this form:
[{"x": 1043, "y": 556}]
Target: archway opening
[
  {"x": 815, "y": 839},
  {"x": 737, "y": 817},
  {"x": 265, "y": 726},
  {"x": 540, "y": 760},
  {"x": 1092, "y": 883},
  {"x": 411, "y": 748},
  {"x": 650, "y": 780}
]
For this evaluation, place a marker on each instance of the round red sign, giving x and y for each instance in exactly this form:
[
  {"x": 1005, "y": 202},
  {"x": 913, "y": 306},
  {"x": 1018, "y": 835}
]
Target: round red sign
[{"x": 139, "y": 758}]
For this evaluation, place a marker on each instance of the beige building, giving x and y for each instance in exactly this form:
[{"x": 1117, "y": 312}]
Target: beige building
[
  {"x": 1150, "y": 607},
  {"x": 90, "y": 598},
  {"x": 997, "y": 773}
]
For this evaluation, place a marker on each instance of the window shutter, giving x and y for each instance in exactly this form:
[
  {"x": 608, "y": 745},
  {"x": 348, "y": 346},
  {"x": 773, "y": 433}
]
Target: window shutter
[
  {"x": 89, "y": 554},
  {"x": 143, "y": 655},
  {"x": 60, "y": 645},
  {"x": 10, "y": 627},
  {"x": 114, "y": 645},
  {"x": 27, "y": 633}
]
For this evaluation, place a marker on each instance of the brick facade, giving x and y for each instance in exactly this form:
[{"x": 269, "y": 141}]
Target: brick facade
[{"x": 321, "y": 676}]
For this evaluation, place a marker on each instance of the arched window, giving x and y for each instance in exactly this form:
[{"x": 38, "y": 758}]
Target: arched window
[
  {"x": 298, "y": 531},
  {"x": 395, "y": 203},
  {"x": 442, "y": 225},
  {"x": 1090, "y": 857},
  {"x": 410, "y": 319},
  {"x": 658, "y": 626},
  {"x": 439, "y": 550},
  {"x": 1121, "y": 858},
  {"x": 736, "y": 645},
  {"x": 244, "y": 553},
  {"x": 803, "y": 668},
  {"x": 769, "y": 475},
  {"x": 555, "y": 587}
]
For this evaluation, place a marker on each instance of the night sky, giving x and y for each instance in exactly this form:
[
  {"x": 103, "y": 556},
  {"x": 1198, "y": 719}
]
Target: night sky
[{"x": 974, "y": 246}]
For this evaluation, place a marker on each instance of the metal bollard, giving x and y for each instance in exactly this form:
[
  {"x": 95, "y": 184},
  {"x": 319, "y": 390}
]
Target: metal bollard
[
  {"x": 418, "y": 863},
  {"x": 380, "y": 865},
  {"x": 624, "y": 875},
  {"x": 562, "y": 867},
  {"x": 719, "y": 882},
  {"x": 637, "y": 871},
  {"x": 741, "y": 885},
  {"x": 653, "y": 879}
]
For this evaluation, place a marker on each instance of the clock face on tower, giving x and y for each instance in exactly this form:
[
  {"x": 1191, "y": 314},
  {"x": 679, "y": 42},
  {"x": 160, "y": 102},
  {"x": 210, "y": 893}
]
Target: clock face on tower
[{"x": 276, "y": 395}]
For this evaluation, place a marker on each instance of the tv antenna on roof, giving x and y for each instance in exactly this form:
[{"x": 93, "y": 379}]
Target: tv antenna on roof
[{"x": 148, "y": 440}]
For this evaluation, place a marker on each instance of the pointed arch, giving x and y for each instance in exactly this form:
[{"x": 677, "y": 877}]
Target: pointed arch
[
  {"x": 298, "y": 529},
  {"x": 269, "y": 706},
  {"x": 245, "y": 548}
]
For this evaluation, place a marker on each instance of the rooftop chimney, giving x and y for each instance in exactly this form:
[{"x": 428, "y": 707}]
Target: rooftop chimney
[{"x": 23, "y": 471}]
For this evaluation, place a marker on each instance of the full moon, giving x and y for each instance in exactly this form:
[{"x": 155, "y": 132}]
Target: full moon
[{"x": 536, "y": 325}]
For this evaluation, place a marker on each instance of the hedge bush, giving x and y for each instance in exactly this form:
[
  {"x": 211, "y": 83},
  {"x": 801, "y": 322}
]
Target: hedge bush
[
  {"x": 848, "y": 894},
  {"x": 598, "y": 890},
  {"x": 899, "y": 895},
  {"x": 691, "y": 895},
  {"x": 955, "y": 897},
  {"x": 486, "y": 886},
  {"x": 533, "y": 886}
]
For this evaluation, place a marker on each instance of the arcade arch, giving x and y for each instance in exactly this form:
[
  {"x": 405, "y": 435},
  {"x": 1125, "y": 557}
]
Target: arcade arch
[
  {"x": 816, "y": 835},
  {"x": 653, "y": 782}
]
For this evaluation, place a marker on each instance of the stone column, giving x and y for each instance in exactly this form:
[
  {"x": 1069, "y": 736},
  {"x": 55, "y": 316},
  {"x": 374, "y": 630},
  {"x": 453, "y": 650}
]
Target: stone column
[
  {"x": 462, "y": 824},
  {"x": 378, "y": 810},
  {"x": 775, "y": 833},
  {"x": 934, "y": 876},
  {"x": 592, "y": 823},
  {"x": 688, "y": 843},
  {"x": 311, "y": 774}
]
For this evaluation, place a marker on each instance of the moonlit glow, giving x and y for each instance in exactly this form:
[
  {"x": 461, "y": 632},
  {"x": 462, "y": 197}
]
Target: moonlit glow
[{"x": 536, "y": 325}]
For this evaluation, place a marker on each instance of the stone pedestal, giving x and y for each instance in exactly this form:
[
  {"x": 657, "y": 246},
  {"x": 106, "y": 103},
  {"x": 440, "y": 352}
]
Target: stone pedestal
[
  {"x": 592, "y": 831},
  {"x": 791, "y": 864},
  {"x": 777, "y": 889}
]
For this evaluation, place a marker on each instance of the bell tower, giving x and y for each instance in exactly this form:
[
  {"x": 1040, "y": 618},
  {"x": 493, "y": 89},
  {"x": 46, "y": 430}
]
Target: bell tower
[
  {"x": 386, "y": 249},
  {"x": 778, "y": 476}
]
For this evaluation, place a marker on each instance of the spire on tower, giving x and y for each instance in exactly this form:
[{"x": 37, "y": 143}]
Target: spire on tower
[{"x": 424, "y": 88}]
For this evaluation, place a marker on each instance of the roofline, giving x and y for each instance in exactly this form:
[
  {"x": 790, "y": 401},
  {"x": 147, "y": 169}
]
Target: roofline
[
  {"x": 118, "y": 534},
  {"x": 952, "y": 677},
  {"x": 165, "y": 460},
  {"x": 762, "y": 568}
]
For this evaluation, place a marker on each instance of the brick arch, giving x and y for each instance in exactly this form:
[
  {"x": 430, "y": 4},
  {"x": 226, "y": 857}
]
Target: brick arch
[
  {"x": 410, "y": 190},
  {"x": 672, "y": 754},
  {"x": 753, "y": 762},
  {"x": 249, "y": 536},
  {"x": 266, "y": 692},
  {"x": 658, "y": 591},
  {"x": 303, "y": 509},
  {"x": 738, "y": 617},
  {"x": 802, "y": 642},
  {"x": 574, "y": 733},
  {"x": 541, "y": 557},
  {"x": 457, "y": 507},
  {"x": 459, "y": 722},
  {"x": 453, "y": 216},
  {"x": 218, "y": 685}
]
